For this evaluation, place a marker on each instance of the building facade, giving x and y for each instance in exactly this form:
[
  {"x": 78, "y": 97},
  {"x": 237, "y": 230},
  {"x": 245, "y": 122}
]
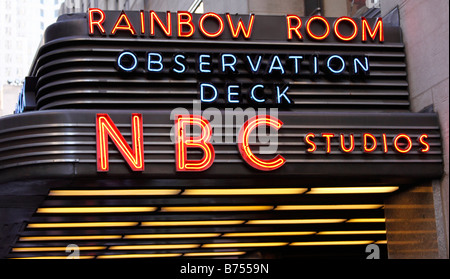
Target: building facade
[
  {"x": 428, "y": 89},
  {"x": 425, "y": 31},
  {"x": 16, "y": 51},
  {"x": 401, "y": 212},
  {"x": 19, "y": 44}
]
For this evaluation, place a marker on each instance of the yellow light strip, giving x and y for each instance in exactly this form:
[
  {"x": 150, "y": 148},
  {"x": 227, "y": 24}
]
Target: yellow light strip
[
  {"x": 243, "y": 244},
  {"x": 129, "y": 192},
  {"x": 55, "y": 249},
  {"x": 69, "y": 237},
  {"x": 212, "y": 254},
  {"x": 295, "y": 221},
  {"x": 132, "y": 256},
  {"x": 171, "y": 235},
  {"x": 247, "y": 234},
  {"x": 192, "y": 223},
  {"x": 351, "y": 232},
  {"x": 52, "y": 258},
  {"x": 154, "y": 247},
  {"x": 216, "y": 208},
  {"x": 367, "y": 220},
  {"x": 353, "y": 190},
  {"x": 81, "y": 225},
  {"x": 320, "y": 243},
  {"x": 114, "y": 209},
  {"x": 381, "y": 242},
  {"x": 329, "y": 207},
  {"x": 247, "y": 191}
]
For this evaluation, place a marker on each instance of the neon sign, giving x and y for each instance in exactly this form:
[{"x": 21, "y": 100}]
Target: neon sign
[
  {"x": 107, "y": 129},
  {"x": 274, "y": 69},
  {"x": 186, "y": 26},
  {"x": 272, "y": 72},
  {"x": 244, "y": 147},
  {"x": 120, "y": 26},
  {"x": 185, "y": 140},
  {"x": 278, "y": 65},
  {"x": 226, "y": 64}
]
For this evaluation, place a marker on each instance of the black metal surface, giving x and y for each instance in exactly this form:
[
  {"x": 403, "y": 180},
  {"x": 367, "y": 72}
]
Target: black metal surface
[
  {"x": 41, "y": 141},
  {"x": 77, "y": 71}
]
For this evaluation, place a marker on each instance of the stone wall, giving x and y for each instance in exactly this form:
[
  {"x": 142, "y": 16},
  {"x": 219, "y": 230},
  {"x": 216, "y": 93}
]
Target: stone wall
[{"x": 425, "y": 26}]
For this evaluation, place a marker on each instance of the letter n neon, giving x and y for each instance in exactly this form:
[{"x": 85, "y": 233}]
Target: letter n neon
[{"x": 106, "y": 129}]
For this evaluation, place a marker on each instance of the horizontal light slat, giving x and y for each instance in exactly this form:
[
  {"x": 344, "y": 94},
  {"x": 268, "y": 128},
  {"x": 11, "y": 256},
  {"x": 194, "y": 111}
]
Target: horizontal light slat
[
  {"x": 128, "y": 192},
  {"x": 80, "y": 210}
]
